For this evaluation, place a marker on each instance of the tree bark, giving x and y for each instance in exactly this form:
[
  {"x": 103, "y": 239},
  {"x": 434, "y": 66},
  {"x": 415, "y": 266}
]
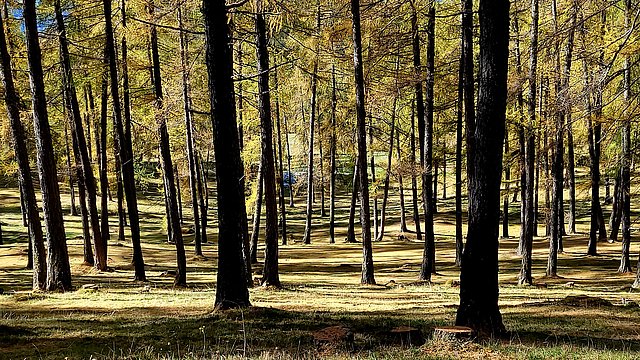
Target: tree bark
[
  {"x": 37, "y": 255},
  {"x": 58, "y": 270},
  {"x": 166, "y": 161},
  {"x": 280, "y": 177},
  {"x": 479, "y": 273},
  {"x": 270, "y": 276},
  {"x": 351, "y": 234},
  {"x": 459, "y": 130},
  {"x": 365, "y": 212},
  {"x": 73, "y": 109},
  {"x": 231, "y": 290},
  {"x": 429, "y": 253},
  {"x": 332, "y": 160},
  {"x": 102, "y": 159},
  {"x": 414, "y": 184},
  {"x": 257, "y": 209},
  {"x": 385, "y": 196},
  {"x": 625, "y": 183}
]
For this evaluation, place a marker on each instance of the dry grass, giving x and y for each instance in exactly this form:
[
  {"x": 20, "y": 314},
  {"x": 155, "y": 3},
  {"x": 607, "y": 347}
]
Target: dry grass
[{"x": 123, "y": 319}]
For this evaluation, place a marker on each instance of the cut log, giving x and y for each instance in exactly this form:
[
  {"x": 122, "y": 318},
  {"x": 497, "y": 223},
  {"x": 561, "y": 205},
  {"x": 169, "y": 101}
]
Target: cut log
[
  {"x": 407, "y": 336},
  {"x": 450, "y": 333}
]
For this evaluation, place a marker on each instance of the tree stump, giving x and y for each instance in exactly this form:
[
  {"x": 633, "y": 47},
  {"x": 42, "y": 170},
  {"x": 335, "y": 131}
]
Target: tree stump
[
  {"x": 452, "y": 333},
  {"x": 333, "y": 335},
  {"x": 407, "y": 336}
]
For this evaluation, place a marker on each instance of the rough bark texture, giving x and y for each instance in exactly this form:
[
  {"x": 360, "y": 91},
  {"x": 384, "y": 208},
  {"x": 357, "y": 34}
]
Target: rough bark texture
[
  {"x": 58, "y": 270},
  {"x": 231, "y": 288},
  {"x": 12, "y": 101},
  {"x": 270, "y": 275},
  {"x": 365, "y": 212},
  {"x": 125, "y": 149},
  {"x": 479, "y": 273},
  {"x": 429, "y": 252},
  {"x": 166, "y": 163},
  {"x": 73, "y": 109}
]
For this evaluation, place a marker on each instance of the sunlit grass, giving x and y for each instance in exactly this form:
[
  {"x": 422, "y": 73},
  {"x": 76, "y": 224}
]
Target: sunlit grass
[{"x": 124, "y": 319}]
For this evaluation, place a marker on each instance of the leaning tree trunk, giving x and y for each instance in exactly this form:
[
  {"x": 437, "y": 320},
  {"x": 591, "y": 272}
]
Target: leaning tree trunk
[
  {"x": 73, "y": 110},
  {"x": 166, "y": 162},
  {"x": 12, "y": 101},
  {"x": 58, "y": 269},
  {"x": 361, "y": 116},
  {"x": 429, "y": 253},
  {"x": 231, "y": 290},
  {"x": 479, "y": 273},
  {"x": 125, "y": 150},
  {"x": 270, "y": 276}
]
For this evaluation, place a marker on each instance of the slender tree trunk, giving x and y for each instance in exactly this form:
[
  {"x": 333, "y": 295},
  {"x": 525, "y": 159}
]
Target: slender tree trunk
[
  {"x": 400, "y": 169},
  {"x": 166, "y": 162},
  {"x": 84, "y": 213},
  {"x": 525, "y": 278},
  {"x": 414, "y": 184},
  {"x": 256, "y": 215},
  {"x": 73, "y": 110},
  {"x": 372, "y": 162},
  {"x": 419, "y": 107},
  {"x": 103, "y": 162},
  {"x": 429, "y": 253},
  {"x": 179, "y": 193},
  {"x": 280, "y": 177},
  {"x": 332, "y": 155},
  {"x": 459, "y": 130},
  {"x": 625, "y": 183},
  {"x": 37, "y": 255},
  {"x": 616, "y": 212},
  {"x": 479, "y": 273},
  {"x": 73, "y": 211},
  {"x": 351, "y": 234},
  {"x": 323, "y": 211},
  {"x": 385, "y": 196},
  {"x": 203, "y": 191},
  {"x": 125, "y": 150},
  {"x": 365, "y": 213},
  {"x": 270, "y": 276},
  {"x": 231, "y": 289},
  {"x": 58, "y": 269}
]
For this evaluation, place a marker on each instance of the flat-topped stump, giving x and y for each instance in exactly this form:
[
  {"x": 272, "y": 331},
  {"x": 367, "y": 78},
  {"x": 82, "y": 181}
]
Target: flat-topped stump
[
  {"x": 334, "y": 335},
  {"x": 407, "y": 336},
  {"x": 453, "y": 333}
]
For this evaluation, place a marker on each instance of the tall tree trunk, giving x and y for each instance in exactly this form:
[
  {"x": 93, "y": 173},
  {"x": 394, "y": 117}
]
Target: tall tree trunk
[
  {"x": 125, "y": 150},
  {"x": 84, "y": 213},
  {"x": 103, "y": 162},
  {"x": 73, "y": 211},
  {"x": 37, "y": 255},
  {"x": 625, "y": 183},
  {"x": 616, "y": 208},
  {"x": 361, "y": 116},
  {"x": 166, "y": 161},
  {"x": 419, "y": 107},
  {"x": 414, "y": 183},
  {"x": 178, "y": 193},
  {"x": 231, "y": 290},
  {"x": 203, "y": 193},
  {"x": 186, "y": 100},
  {"x": 270, "y": 276},
  {"x": 385, "y": 195},
  {"x": 524, "y": 278},
  {"x": 459, "y": 130},
  {"x": 332, "y": 160},
  {"x": 280, "y": 177},
  {"x": 429, "y": 253},
  {"x": 479, "y": 273},
  {"x": 257, "y": 209},
  {"x": 372, "y": 163},
  {"x": 73, "y": 110},
  {"x": 400, "y": 169},
  {"x": 351, "y": 234},
  {"x": 312, "y": 121},
  {"x": 289, "y": 173},
  {"x": 58, "y": 269}
]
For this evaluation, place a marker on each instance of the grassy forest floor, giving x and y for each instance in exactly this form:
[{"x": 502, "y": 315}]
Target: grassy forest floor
[{"x": 124, "y": 319}]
